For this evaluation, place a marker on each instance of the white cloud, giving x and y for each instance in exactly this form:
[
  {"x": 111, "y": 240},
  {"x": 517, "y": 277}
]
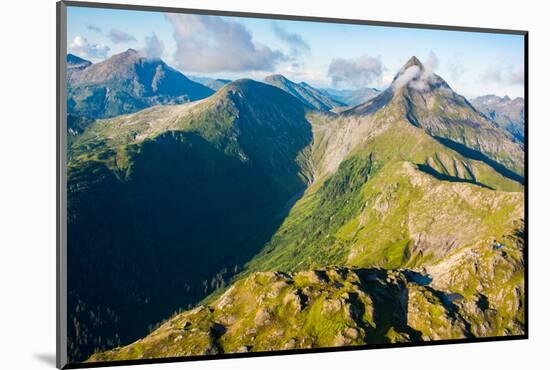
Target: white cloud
[
  {"x": 212, "y": 44},
  {"x": 154, "y": 47},
  {"x": 416, "y": 77},
  {"x": 312, "y": 76},
  {"x": 298, "y": 45},
  {"x": 408, "y": 75},
  {"x": 431, "y": 63},
  {"x": 82, "y": 48},
  {"x": 118, "y": 36},
  {"x": 504, "y": 73},
  {"x": 360, "y": 72}
]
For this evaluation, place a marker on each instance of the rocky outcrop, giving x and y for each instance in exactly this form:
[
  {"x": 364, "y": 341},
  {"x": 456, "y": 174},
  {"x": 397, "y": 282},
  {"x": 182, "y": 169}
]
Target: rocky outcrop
[{"x": 336, "y": 306}]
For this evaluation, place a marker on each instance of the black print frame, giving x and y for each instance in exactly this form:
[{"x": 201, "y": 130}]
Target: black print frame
[{"x": 235, "y": 184}]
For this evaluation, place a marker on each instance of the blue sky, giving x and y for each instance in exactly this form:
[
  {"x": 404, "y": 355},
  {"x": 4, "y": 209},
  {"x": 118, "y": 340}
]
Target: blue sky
[{"x": 322, "y": 54}]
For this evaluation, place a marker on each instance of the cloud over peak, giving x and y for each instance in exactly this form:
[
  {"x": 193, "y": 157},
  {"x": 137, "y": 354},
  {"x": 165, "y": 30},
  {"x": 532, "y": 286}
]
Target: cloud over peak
[
  {"x": 154, "y": 47},
  {"x": 419, "y": 77},
  {"x": 212, "y": 44}
]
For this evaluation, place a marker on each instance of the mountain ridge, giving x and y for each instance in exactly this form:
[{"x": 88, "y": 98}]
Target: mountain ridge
[
  {"x": 425, "y": 100},
  {"x": 372, "y": 188},
  {"x": 75, "y": 62},
  {"x": 235, "y": 159},
  {"x": 127, "y": 82},
  {"x": 307, "y": 94},
  {"x": 507, "y": 113}
]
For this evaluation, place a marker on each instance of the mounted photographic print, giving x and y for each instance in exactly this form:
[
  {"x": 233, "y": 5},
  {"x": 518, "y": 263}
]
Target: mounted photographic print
[{"x": 235, "y": 184}]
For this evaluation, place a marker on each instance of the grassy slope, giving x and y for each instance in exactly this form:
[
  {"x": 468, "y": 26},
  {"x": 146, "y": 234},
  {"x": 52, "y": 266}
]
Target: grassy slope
[
  {"x": 268, "y": 311},
  {"x": 191, "y": 182},
  {"x": 338, "y": 306},
  {"x": 381, "y": 207},
  {"x": 378, "y": 202},
  {"x": 376, "y": 210},
  {"x": 446, "y": 114}
]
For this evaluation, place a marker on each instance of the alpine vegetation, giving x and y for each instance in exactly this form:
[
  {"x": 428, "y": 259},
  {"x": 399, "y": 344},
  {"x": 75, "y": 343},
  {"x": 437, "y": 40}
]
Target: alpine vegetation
[{"x": 251, "y": 205}]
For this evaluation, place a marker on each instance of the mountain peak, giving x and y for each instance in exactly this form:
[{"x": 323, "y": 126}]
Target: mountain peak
[
  {"x": 143, "y": 82},
  {"x": 256, "y": 94},
  {"x": 238, "y": 88},
  {"x": 130, "y": 55},
  {"x": 413, "y": 61},
  {"x": 415, "y": 75},
  {"x": 276, "y": 77}
]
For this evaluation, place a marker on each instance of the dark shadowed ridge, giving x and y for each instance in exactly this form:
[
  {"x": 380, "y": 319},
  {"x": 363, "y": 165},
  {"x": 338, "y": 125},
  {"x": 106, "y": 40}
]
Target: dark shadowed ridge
[
  {"x": 214, "y": 190},
  {"x": 75, "y": 62}
]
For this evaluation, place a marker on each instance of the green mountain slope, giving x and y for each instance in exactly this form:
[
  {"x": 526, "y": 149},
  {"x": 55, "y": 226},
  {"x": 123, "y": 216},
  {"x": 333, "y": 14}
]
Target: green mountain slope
[
  {"x": 242, "y": 200},
  {"x": 378, "y": 212},
  {"x": 273, "y": 310},
  {"x": 388, "y": 193},
  {"x": 425, "y": 100},
  {"x": 340, "y": 306},
  {"x": 449, "y": 289},
  {"x": 172, "y": 204}
]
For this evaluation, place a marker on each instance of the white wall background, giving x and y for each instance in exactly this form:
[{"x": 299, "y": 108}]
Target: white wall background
[{"x": 27, "y": 182}]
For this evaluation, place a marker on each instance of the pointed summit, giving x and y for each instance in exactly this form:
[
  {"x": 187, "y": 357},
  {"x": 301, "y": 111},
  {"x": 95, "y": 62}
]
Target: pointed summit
[
  {"x": 413, "y": 61},
  {"x": 415, "y": 75},
  {"x": 276, "y": 77},
  {"x": 127, "y": 57}
]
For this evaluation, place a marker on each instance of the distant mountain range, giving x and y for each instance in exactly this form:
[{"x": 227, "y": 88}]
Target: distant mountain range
[
  {"x": 267, "y": 216},
  {"x": 305, "y": 93},
  {"x": 352, "y": 97},
  {"x": 128, "y": 82},
  {"x": 506, "y": 112},
  {"x": 125, "y": 83},
  {"x": 213, "y": 83},
  {"x": 323, "y": 99}
]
